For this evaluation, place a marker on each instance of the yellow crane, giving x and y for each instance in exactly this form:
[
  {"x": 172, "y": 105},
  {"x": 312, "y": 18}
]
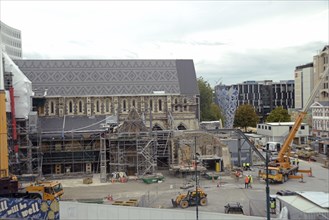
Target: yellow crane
[
  {"x": 280, "y": 170},
  {"x": 4, "y": 172}
]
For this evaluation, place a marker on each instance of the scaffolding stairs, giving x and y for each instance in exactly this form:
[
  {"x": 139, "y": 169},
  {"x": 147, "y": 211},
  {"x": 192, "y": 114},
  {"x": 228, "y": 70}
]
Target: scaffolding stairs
[
  {"x": 146, "y": 157},
  {"x": 102, "y": 154}
]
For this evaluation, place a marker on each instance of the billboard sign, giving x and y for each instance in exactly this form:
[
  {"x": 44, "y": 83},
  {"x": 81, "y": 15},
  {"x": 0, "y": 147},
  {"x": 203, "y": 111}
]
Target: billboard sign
[{"x": 18, "y": 208}]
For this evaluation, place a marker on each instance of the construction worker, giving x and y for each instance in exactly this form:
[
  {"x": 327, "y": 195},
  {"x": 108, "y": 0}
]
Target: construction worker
[
  {"x": 244, "y": 166},
  {"x": 297, "y": 161},
  {"x": 246, "y": 182},
  {"x": 248, "y": 166},
  {"x": 273, "y": 206},
  {"x": 250, "y": 181}
]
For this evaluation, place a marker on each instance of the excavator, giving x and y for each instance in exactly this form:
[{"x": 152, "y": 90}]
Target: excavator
[
  {"x": 280, "y": 169},
  {"x": 9, "y": 185}
]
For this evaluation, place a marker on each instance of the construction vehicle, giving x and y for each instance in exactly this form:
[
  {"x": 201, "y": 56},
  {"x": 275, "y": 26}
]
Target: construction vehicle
[
  {"x": 191, "y": 198},
  {"x": 9, "y": 185},
  {"x": 10, "y": 188},
  {"x": 280, "y": 169},
  {"x": 305, "y": 152},
  {"x": 233, "y": 208}
]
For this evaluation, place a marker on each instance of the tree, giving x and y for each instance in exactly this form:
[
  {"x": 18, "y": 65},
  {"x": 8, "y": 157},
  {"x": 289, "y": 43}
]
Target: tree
[
  {"x": 209, "y": 111},
  {"x": 279, "y": 114},
  {"x": 245, "y": 116}
]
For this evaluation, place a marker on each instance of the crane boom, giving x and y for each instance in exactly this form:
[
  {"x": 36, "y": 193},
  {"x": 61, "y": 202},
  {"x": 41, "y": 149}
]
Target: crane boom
[{"x": 299, "y": 119}]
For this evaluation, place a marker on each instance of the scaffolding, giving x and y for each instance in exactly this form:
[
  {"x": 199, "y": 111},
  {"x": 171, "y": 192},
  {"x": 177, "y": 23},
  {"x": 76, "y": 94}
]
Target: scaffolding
[{"x": 139, "y": 154}]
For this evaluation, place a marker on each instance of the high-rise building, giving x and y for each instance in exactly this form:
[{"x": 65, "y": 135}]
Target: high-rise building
[
  {"x": 11, "y": 41},
  {"x": 320, "y": 62},
  {"x": 303, "y": 84}
]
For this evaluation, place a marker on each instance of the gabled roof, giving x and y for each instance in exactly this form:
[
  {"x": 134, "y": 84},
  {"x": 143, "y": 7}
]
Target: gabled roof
[
  {"x": 319, "y": 104},
  {"x": 325, "y": 48},
  {"x": 110, "y": 77}
]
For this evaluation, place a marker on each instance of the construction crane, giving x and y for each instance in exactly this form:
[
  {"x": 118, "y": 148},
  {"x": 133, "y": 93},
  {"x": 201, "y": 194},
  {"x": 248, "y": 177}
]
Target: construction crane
[
  {"x": 280, "y": 170},
  {"x": 4, "y": 172}
]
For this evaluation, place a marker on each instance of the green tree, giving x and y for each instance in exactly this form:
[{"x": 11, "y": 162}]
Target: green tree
[
  {"x": 215, "y": 112},
  {"x": 279, "y": 114},
  {"x": 245, "y": 116},
  {"x": 209, "y": 111}
]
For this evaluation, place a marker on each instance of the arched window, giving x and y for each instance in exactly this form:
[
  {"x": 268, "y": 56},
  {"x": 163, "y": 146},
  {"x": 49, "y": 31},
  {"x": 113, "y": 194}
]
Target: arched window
[
  {"x": 80, "y": 107},
  {"x": 98, "y": 106},
  {"x": 176, "y": 106},
  {"x": 70, "y": 107},
  {"x": 157, "y": 127},
  {"x": 133, "y": 103},
  {"x": 185, "y": 104},
  {"x": 181, "y": 127},
  {"x": 107, "y": 105},
  {"x": 124, "y": 105},
  {"x": 160, "y": 105},
  {"x": 151, "y": 105},
  {"x": 52, "y": 107}
]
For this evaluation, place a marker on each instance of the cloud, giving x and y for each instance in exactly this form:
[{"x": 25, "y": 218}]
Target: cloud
[
  {"x": 258, "y": 64},
  {"x": 229, "y": 40}
]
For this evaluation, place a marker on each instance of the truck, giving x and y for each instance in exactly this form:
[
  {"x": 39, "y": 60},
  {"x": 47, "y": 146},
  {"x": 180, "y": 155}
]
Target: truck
[
  {"x": 44, "y": 190},
  {"x": 280, "y": 169},
  {"x": 272, "y": 146}
]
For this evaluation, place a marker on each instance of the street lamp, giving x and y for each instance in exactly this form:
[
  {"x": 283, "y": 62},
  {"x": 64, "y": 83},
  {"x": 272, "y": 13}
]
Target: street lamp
[
  {"x": 196, "y": 180},
  {"x": 267, "y": 187}
]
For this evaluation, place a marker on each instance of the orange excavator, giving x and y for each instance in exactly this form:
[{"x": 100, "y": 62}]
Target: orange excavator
[{"x": 280, "y": 170}]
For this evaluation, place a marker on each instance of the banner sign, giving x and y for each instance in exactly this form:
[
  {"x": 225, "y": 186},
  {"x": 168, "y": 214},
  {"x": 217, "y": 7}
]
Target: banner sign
[{"x": 18, "y": 208}]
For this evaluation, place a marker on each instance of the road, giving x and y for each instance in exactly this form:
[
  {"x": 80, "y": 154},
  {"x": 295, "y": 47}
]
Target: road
[{"x": 159, "y": 195}]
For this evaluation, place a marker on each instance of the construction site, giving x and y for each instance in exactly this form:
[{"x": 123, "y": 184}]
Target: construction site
[{"x": 124, "y": 145}]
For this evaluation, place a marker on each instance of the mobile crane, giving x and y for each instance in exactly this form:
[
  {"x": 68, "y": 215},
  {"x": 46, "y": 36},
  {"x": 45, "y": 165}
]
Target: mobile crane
[
  {"x": 280, "y": 170},
  {"x": 9, "y": 185}
]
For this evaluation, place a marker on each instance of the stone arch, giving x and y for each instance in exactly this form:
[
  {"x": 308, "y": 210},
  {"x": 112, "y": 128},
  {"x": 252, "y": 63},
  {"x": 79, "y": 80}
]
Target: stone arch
[
  {"x": 181, "y": 126},
  {"x": 157, "y": 127}
]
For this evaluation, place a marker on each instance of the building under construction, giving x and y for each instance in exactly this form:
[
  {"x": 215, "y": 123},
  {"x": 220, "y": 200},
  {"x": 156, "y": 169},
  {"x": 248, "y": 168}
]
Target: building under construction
[
  {"x": 101, "y": 115},
  {"x": 106, "y": 116}
]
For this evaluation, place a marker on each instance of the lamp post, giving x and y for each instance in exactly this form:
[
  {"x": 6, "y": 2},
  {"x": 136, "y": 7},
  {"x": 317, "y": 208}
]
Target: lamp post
[
  {"x": 196, "y": 181},
  {"x": 267, "y": 187}
]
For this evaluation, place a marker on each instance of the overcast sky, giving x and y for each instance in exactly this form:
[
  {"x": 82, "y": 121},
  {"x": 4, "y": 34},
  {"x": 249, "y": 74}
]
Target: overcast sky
[{"x": 229, "y": 41}]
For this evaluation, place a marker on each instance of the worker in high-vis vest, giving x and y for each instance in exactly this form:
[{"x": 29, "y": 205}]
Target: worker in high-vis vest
[
  {"x": 273, "y": 206},
  {"x": 246, "y": 182},
  {"x": 248, "y": 166}
]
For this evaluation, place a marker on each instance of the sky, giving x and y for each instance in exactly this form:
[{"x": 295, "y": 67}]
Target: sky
[{"x": 229, "y": 41}]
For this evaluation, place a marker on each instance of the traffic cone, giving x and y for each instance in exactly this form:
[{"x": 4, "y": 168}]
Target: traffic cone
[
  {"x": 310, "y": 174},
  {"x": 302, "y": 179}
]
